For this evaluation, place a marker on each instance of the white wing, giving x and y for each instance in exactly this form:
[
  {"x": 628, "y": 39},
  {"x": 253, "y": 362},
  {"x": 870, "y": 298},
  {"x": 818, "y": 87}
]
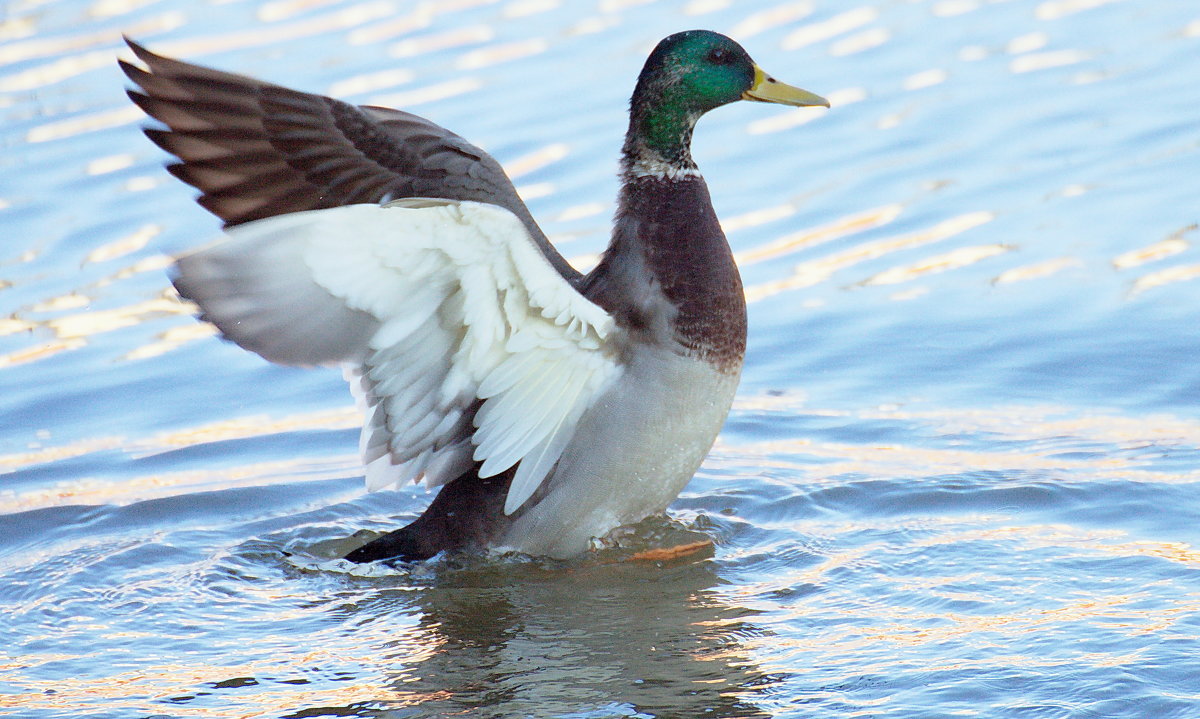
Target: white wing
[{"x": 462, "y": 343}]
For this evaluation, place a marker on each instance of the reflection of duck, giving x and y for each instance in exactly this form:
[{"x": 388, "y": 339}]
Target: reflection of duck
[
  {"x": 553, "y": 406},
  {"x": 518, "y": 640}
]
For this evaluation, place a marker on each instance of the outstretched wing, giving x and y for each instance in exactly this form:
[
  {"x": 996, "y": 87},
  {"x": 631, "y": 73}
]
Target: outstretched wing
[
  {"x": 257, "y": 150},
  {"x": 465, "y": 344}
]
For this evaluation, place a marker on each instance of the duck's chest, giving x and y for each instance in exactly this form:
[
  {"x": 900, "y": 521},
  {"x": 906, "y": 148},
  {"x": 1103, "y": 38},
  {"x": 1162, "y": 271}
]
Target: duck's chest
[{"x": 669, "y": 277}]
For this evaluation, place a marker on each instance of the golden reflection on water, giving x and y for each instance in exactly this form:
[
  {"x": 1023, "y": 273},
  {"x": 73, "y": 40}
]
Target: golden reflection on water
[
  {"x": 541, "y": 642},
  {"x": 170, "y": 340},
  {"x": 134, "y": 489},
  {"x": 1184, "y": 273},
  {"x": 152, "y": 688},
  {"x": 1062, "y": 535},
  {"x": 536, "y": 160},
  {"x": 821, "y": 269},
  {"x": 393, "y": 27},
  {"x": 443, "y": 40},
  {"x": 1042, "y": 439},
  {"x": 952, "y": 260},
  {"x": 771, "y": 18},
  {"x": 913, "y": 627},
  {"x": 370, "y": 82},
  {"x": 1027, "y": 43},
  {"x": 917, "y": 610},
  {"x": 828, "y": 29},
  {"x": 89, "y": 122},
  {"x": 804, "y": 239},
  {"x": 1020, "y": 437},
  {"x": 860, "y": 42},
  {"x": 125, "y": 245},
  {"x": 130, "y": 490},
  {"x": 500, "y": 53},
  {"x": 284, "y": 9},
  {"x": 525, "y": 8},
  {"x": 1172, "y": 245},
  {"x": 429, "y": 93},
  {"x": 925, "y": 78},
  {"x": 1047, "y": 60},
  {"x": 39, "y": 351},
  {"x": 86, "y": 324},
  {"x": 1037, "y": 270}
]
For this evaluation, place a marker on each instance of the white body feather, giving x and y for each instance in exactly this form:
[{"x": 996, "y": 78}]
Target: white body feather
[
  {"x": 433, "y": 306},
  {"x": 634, "y": 451}
]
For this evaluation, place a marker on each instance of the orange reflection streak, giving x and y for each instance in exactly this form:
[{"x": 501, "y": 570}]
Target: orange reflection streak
[
  {"x": 73, "y": 329},
  {"x": 429, "y": 93},
  {"x": 819, "y": 270},
  {"x": 371, "y": 82},
  {"x": 775, "y": 17},
  {"x": 536, "y": 160},
  {"x": 124, "y": 246},
  {"x": 1169, "y": 276},
  {"x": 281, "y": 677},
  {"x": 284, "y": 9},
  {"x": 905, "y": 461},
  {"x": 1172, "y": 245},
  {"x": 1037, "y": 270},
  {"x": 159, "y": 486},
  {"x": 245, "y": 427},
  {"x": 899, "y": 624},
  {"x": 1061, "y": 535},
  {"x": 14, "y": 51},
  {"x": 457, "y": 37},
  {"x": 804, "y": 239},
  {"x": 827, "y": 29},
  {"x": 1054, "y": 425},
  {"x": 91, "y": 122},
  {"x": 135, "y": 489},
  {"x": 85, "y": 324},
  {"x": 12, "y": 325},
  {"x": 172, "y": 339},
  {"x": 41, "y": 351},
  {"x": 503, "y": 52},
  {"x": 393, "y": 27},
  {"x": 141, "y": 688},
  {"x": 952, "y": 260},
  {"x": 1042, "y": 433},
  {"x": 73, "y": 65},
  {"x": 20, "y": 460},
  {"x": 1030, "y": 621},
  {"x": 860, "y": 41}
]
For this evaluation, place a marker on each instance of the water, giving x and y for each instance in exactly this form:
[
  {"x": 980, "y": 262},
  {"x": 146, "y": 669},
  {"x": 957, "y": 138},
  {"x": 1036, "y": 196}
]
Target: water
[{"x": 960, "y": 479}]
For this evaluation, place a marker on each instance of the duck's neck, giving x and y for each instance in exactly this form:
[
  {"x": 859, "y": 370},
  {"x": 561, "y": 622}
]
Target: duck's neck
[
  {"x": 659, "y": 140},
  {"x": 668, "y": 275}
]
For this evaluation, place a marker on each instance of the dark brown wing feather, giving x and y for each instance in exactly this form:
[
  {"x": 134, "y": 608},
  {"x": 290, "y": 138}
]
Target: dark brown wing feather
[{"x": 256, "y": 150}]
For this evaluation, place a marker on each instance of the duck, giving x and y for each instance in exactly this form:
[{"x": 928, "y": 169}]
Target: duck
[{"x": 548, "y": 407}]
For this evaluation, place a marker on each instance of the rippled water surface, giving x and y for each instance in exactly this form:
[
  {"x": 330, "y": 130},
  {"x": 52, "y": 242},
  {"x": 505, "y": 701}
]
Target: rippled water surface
[{"x": 961, "y": 478}]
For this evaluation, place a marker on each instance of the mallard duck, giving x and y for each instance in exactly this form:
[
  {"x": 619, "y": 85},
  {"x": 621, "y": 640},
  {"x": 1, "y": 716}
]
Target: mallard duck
[{"x": 549, "y": 406}]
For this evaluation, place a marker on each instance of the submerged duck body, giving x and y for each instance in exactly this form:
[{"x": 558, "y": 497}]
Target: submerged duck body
[{"x": 550, "y": 407}]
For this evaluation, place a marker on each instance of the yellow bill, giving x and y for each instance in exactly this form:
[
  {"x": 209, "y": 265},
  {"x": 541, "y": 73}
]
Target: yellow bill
[{"x": 768, "y": 89}]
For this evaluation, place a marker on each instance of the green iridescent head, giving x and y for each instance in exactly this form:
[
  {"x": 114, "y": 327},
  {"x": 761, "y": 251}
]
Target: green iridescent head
[{"x": 688, "y": 74}]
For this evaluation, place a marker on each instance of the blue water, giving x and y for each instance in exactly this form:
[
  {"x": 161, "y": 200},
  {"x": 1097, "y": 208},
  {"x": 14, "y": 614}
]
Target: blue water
[{"x": 960, "y": 479}]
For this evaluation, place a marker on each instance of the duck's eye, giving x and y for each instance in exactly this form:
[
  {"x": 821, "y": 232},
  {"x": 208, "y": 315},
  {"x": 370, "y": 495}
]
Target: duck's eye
[{"x": 719, "y": 56}]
